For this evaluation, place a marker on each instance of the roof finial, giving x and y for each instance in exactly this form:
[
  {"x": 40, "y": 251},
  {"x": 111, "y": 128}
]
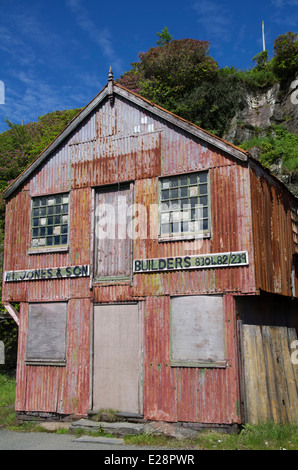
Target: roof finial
[{"x": 111, "y": 86}]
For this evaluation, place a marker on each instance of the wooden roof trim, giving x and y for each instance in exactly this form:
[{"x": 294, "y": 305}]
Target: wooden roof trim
[{"x": 139, "y": 101}]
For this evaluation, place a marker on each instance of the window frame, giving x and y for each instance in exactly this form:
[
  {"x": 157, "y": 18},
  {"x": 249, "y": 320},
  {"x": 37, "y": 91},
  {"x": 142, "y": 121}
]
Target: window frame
[
  {"x": 185, "y": 235},
  {"x": 35, "y": 249},
  {"x": 102, "y": 279}
]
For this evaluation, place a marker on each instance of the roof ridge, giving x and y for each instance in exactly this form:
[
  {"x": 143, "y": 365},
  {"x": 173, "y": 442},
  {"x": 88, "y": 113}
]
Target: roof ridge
[
  {"x": 86, "y": 110},
  {"x": 181, "y": 118}
]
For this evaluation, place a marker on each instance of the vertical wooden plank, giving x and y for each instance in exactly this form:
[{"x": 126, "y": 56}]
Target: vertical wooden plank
[
  {"x": 243, "y": 404},
  {"x": 279, "y": 373},
  {"x": 291, "y": 389},
  {"x": 249, "y": 373},
  {"x": 271, "y": 375},
  {"x": 262, "y": 397},
  {"x": 255, "y": 375}
]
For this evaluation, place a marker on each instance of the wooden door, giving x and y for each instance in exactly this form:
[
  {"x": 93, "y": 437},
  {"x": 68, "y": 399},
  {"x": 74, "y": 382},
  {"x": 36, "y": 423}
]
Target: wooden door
[
  {"x": 113, "y": 245},
  {"x": 117, "y": 358}
]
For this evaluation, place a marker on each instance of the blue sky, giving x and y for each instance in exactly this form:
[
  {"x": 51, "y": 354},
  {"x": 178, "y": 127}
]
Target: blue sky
[{"x": 55, "y": 54}]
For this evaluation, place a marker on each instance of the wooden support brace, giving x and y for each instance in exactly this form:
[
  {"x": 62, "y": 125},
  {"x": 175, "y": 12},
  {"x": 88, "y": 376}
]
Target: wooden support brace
[{"x": 12, "y": 312}]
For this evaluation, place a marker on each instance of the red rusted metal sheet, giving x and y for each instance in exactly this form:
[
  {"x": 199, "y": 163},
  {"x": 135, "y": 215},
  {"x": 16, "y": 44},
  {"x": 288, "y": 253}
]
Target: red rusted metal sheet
[
  {"x": 63, "y": 390},
  {"x": 117, "y": 155},
  {"x": 160, "y": 400},
  {"x": 273, "y": 234},
  {"x": 230, "y": 232},
  {"x": 188, "y": 393}
]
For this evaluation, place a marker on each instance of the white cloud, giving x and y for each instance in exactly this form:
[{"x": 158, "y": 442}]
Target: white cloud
[
  {"x": 101, "y": 37},
  {"x": 214, "y": 19},
  {"x": 37, "y": 96},
  {"x": 284, "y": 3},
  {"x": 283, "y": 13},
  {"x": 16, "y": 47}
]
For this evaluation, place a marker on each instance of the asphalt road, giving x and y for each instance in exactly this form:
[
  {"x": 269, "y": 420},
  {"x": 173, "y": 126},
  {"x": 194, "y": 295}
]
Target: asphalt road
[{"x": 10, "y": 440}]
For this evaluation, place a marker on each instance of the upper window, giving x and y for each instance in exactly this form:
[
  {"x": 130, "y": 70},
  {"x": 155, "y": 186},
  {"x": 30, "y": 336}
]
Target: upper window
[
  {"x": 50, "y": 221},
  {"x": 184, "y": 205}
]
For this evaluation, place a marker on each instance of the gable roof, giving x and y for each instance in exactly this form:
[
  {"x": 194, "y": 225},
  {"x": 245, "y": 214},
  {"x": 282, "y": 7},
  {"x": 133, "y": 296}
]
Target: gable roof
[{"x": 111, "y": 90}]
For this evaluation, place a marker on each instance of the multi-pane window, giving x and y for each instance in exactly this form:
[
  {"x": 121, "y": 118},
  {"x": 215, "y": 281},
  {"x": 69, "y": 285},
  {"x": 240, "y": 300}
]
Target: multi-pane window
[
  {"x": 184, "y": 207},
  {"x": 50, "y": 221}
]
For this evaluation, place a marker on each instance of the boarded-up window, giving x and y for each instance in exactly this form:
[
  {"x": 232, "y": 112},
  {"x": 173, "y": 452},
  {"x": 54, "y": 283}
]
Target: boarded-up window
[
  {"x": 46, "y": 341},
  {"x": 113, "y": 233},
  {"x": 197, "y": 334}
]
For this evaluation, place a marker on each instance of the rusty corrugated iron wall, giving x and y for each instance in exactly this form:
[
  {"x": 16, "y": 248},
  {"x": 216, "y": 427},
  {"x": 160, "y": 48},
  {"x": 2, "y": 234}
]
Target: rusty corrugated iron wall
[
  {"x": 188, "y": 393},
  {"x": 273, "y": 233},
  {"x": 126, "y": 144},
  {"x": 63, "y": 390}
]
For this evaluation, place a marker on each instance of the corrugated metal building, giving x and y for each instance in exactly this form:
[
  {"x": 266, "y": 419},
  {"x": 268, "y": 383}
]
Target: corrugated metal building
[{"x": 156, "y": 269}]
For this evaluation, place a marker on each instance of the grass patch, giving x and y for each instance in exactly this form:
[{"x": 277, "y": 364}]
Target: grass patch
[
  {"x": 7, "y": 400},
  {"x": 267, "y": 436}
]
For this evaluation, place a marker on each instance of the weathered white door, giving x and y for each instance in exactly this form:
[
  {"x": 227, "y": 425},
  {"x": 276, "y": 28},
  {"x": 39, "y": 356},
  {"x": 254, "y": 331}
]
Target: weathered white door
[{"x": 117, "y": 358}]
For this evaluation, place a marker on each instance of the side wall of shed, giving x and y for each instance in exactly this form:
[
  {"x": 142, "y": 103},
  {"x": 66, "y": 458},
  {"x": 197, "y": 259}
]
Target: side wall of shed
[{"x": 273, "y": 234}]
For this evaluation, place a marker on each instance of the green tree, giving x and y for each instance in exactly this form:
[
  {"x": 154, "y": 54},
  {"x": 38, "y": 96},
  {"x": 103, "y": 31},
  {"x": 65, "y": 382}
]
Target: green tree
[
  {"x": 285, "y": 60},
  {"x": 261, "y": 60},
  {"x": 165, "y": 74},
  {"x": 164, "y": 37}
]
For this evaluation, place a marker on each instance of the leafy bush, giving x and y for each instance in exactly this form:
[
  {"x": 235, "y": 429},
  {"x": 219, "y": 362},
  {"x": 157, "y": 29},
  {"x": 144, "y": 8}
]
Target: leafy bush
[
  {"x": 261, "y": 60},
  {"x": 9, "y": 336},
  {"x": 285, "y": 61},
  {"x": 277, "y": 145},
  {"x": 167, "y": 72},
  {"x": 213, "y": 103}
]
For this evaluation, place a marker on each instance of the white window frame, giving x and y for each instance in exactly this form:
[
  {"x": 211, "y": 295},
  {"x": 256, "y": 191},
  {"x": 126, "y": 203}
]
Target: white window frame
[
  {"x": 36, "y": 247},
  {"x": 194, "y": 221}
]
